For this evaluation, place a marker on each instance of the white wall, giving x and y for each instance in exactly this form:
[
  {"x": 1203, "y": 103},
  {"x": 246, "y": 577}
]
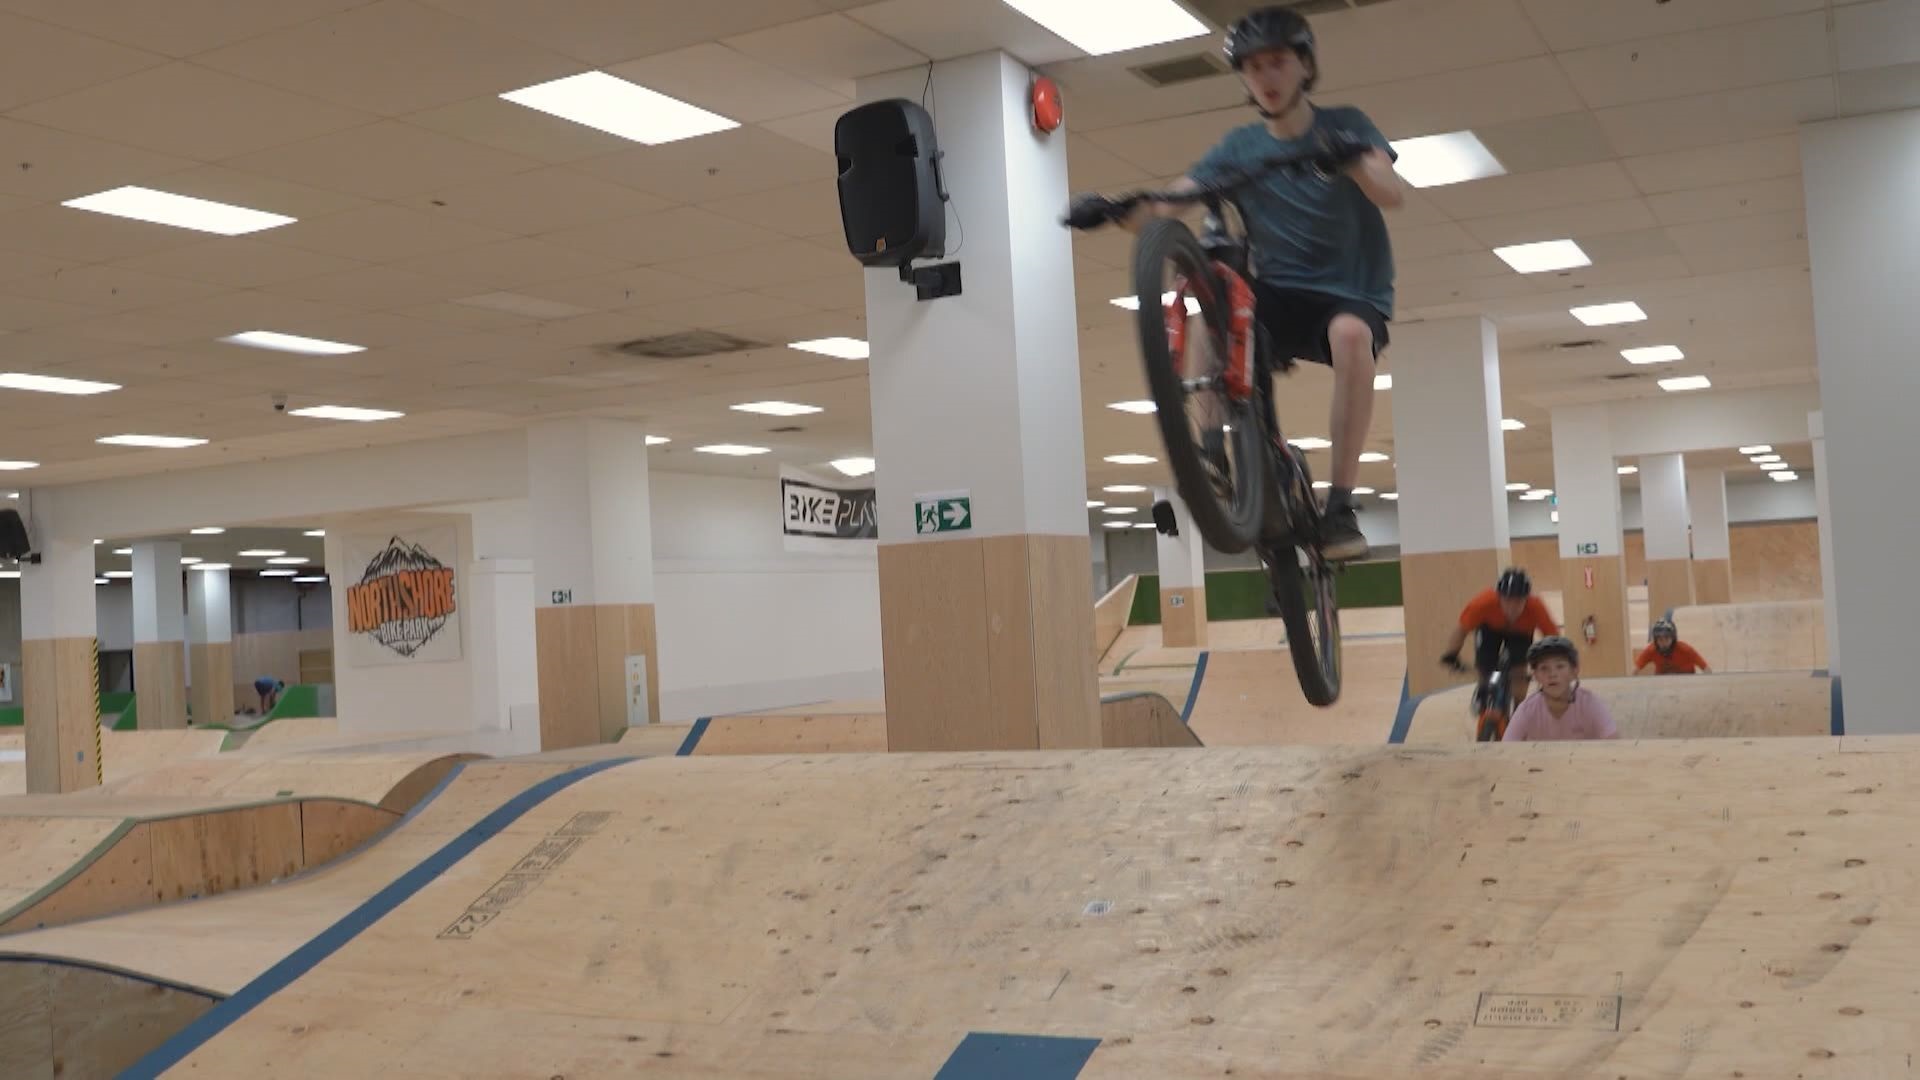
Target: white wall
[
  {"x": 113, "y": 615},
  {"x": 10, "y": 622},
  {"x": 742, "y": 623}
]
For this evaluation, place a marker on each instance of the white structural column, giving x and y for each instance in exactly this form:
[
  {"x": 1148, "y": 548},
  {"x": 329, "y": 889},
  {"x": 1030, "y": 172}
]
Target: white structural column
[
  {"x": 1593, "y": 566},
  {"x": 1823, "y": 501},
  {"x": 210, "y": 645},
  {"x": 1183, "y": 578},
  {"x": 1862, "y": 218},
  {"x": 159, "y": 636},
  {"x": 984, "y": 630},
  {"x": 1712, "y": 540},
  {"x": 59, "y": 664},
  {"x": 591, "y": 514},
  {"x": 1663, "y": 523},
  {"x": 1452, "y": 477}
]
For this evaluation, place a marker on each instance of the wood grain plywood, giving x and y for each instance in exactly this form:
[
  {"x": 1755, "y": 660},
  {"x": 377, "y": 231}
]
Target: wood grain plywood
[
  {"x": 1142, "y": 719},
  {"x": 1252, "y": 698},
  {"x": 1778, "y": 561},
  {"x": 63, "y": 1021},
  {"x": 1436, "y": 588},
  {"x": 620, "y": 631},
  {"x": 1669, "y": 585},
  {"x": 1183, "y": 617},
  {"x": 566, "y": 644},
  {"x": 1606, "y": 603},
  {"x": 934, "y": 639},
  {"x": 331, "y": 828},
  {"x": 822, "y": 734},
  {"x": 1060, "y": 604},
  {"x": 212, "y": 682},
  {"x": 205, "y": 854},
  {"x": 59, "y": 698},
  {"x": 1110, "y": 615},
  {"x": 1713, "y": 581},
  {"x": 1670, "y": 707},
  {"x": 159, "y": 684},
  {"x": 1783, "y": 636}
]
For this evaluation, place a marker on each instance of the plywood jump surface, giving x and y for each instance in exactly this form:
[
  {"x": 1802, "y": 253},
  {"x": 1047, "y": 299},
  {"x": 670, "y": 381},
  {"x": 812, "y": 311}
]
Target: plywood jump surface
[
  {"x": 1783, "y": 636},
  {"x": 1595, "y": 910},
  {"x": 122, "y": 753},
  {"x": 1252, "y": 698},
  {"x": 1669, "y": 707}
]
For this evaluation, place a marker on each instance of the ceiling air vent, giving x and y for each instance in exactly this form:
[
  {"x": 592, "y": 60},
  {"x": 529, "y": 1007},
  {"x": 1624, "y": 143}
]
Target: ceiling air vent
[
  {"x": 1575, "y": 346},
  {"x": 686, "y": 346},
  {"x": 1623, "y": 376},
  {"x": 1184, "y": 69},
  {"x": 788, "y": 430}
]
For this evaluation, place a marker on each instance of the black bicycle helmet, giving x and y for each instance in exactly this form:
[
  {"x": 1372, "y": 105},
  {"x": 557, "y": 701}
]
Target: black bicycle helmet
[
  {"x": 1514, "y": 584},
  {"x": 1552, "y": 646},
  {"x": 1665, "y": 626},
  {"x": 1267, "y": 28}
]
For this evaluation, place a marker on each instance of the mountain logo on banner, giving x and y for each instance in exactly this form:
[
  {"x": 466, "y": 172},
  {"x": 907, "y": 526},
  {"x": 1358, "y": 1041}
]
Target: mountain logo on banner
[{"x": 403, "y": 599}]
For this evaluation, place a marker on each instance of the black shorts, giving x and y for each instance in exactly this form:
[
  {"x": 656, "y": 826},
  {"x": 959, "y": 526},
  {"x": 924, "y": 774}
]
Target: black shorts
[
  {"x": 1486, "y": 650},
  {"x": 1296, "y": 322}
]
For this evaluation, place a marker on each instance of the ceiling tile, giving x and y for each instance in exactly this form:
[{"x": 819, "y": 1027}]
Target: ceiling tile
[
  {"x": 1621, "y": 247},
  {"x": 40, "y": 61},
  {"x": 110, "y": 288},
  {"x": 1472, "y": 99},
  {"x": 830, "y": 50},
  {"x": 945, "y": 30},
  {"x": 1712, "y": 166},
  {"x": 767, "y": 264},
  {"x": 813, "y": 129},
  {"x": 1779, "y": 253},
  {"x": 383, "y": 233},
  {"x": 1443, "y": 268},
  {"x": 1756, "y": 232},
  {"x": 1578, "y": 24},
  {"x": 609, "y": 31},
  {"x": 622, "y": 289},
  {"x": 599, "y": 328},
  {"x": 391, "y": 57},
  {"x": 736, "y": 162},
  {"x": 1533, "y": 191},
  {"x": 385, "y": 160},
  {"x": 719, "y": 309},
  {"x": 24, "y": 312},
  {"x": 1547, "y": 142},
  {"x": 1423, "y": 241},
  {"x": 503, "y": 125},
  {"x": 66, "y": 233},
  {"x": 511, "y": 264},
  {"x": 1729, "y": 200},
  {"x": 681, "y": 233},
  {"x": 1711, "y": 119},
  {"x": 1879, "y": 90},
  {"x": 1167, "y": 147},
  {"x": 544, "y": 200},
  {"x": 1619, "y": 215},
  {"x": 178, "y": 27},
  {"x": 731, "y": 83},
  {"x": 1707, "y": 61},
  {"x": 1881, "y": 34},
  {"x": 189, "y": 111},
  {"x": 1388, "y": 43},
  {"x": 239, "y": 263},
  {"x": 20, "y": 264},
  {"x": 807, "y": 209},
  {"x": 57, "y": 165}
]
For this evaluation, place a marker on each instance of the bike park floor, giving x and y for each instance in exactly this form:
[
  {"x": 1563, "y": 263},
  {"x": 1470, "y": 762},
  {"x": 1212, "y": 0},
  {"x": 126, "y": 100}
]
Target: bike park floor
[{"x": 1717, "y": 908}]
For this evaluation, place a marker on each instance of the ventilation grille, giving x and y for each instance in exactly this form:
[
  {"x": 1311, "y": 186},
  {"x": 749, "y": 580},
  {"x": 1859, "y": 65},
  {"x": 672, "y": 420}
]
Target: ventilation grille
[
  {"x": 685, "y": 346},
  {"x": 1184, "y": 69},
  {"x": 790, "y": 429},
  {"x": 1576, "y": 346},
  {"x": 1624, "y": 376}
]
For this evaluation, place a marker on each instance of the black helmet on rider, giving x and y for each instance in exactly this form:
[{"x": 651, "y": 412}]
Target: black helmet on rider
[
  {"x": 1267, "y": 28},
  {"x": 1664, "y": 628},
  {"x": 1514, "y": 584},
  {"x": 1552, "y": 646}
]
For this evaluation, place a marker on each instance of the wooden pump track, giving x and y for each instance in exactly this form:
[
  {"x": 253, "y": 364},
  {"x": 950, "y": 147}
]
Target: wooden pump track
[
  {"x": 1652, "y": 909},
  {"x": 1669, "y": 707}
]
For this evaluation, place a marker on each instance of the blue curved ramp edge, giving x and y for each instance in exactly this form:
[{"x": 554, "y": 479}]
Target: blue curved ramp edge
[
  {"x": 693, "y": 737},
  {"x": 1193, "y": 690},
  {"x": 987, "y": 1056},
  {"x": 1838, "y": 709},
  {"x": 1403, "y": 718},
  {"x": 329, "y": 941}
]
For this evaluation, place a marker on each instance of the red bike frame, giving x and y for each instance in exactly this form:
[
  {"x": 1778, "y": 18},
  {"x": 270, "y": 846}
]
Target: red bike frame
[{"x": 1239, "y": 374}]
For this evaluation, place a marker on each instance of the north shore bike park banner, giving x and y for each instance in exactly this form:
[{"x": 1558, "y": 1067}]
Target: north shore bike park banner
[
  {"x": 822, "y": 516},
  {"x": 403, "y": 606}
]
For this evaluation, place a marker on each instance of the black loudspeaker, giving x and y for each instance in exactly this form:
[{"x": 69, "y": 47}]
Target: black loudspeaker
[
  {"x": 13, "y": 536},
  {"x": 891, "y": 200}
]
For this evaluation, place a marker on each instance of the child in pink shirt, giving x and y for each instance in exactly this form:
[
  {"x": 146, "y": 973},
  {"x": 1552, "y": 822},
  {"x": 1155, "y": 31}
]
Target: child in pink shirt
[{"x": 1561, "y": 710}]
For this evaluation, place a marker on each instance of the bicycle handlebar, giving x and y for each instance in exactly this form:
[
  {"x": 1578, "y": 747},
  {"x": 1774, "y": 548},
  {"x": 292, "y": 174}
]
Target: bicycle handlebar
[{"x": 1094, "y": 210}]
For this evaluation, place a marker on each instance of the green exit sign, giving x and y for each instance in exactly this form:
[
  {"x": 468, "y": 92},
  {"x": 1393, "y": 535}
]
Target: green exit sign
[
  {"x": 946, "y": 512},
  {"x": 1589, "y": 549}
]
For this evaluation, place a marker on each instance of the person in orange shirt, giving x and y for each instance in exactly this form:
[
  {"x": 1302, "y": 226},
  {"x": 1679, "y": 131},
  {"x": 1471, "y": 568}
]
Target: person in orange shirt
[
  {"x": 1666, "y": 654},
  {"x": 1507, "y": 614}
]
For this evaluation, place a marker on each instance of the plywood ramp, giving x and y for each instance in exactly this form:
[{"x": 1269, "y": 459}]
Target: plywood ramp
[
  {"x": 1110, "y": 614},
  {"x": 78, "y": 1022},
  {"x": 1252, "y": 698},
  {"x": 1679, "y": 909},
  {"x": 64, "y": 858},
  {"x": 123, "y": 753},
  {"x": 1784, "y": 636},
  {"x": 1670, "y": 707},
  {"x": 393, "y": 781}
]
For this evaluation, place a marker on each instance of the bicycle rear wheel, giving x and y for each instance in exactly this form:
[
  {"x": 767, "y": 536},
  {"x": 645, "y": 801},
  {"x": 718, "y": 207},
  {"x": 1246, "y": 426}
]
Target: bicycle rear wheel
[
  {"x": 1313, "y": 634},
  {"x": 1196, "y": 412}
]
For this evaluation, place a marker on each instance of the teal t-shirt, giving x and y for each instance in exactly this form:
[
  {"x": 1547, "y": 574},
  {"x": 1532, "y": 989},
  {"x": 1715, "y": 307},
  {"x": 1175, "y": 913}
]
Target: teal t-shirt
[{"x": 1308, "y": 232}]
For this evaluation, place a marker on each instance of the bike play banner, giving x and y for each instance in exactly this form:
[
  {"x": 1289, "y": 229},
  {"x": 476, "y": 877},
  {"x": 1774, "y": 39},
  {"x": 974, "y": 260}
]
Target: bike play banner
[
  {"x": 403, "y": 606},
  {"x": 820, "y": 516}
]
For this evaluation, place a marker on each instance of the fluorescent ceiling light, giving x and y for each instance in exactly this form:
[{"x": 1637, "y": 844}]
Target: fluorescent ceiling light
[
  {"x": 1100, "y": 27},
  {"x": 1123, "y": 489},
  {"x": 658, "y": 440},
  {"x": 853, "y": 466},
  {"x": 346, "y": 412},
  {"x": 1132, "y": 303},
  {"x": 208, "y": 530},
  {"x": 315, "y": 532},
  {"x": 1383, "y": 382},
  {"x": 1311, "y": 442},
  {"x": 1533, "y": 496},
  {"x": 1143, "y": 525},
  {"x": 1627, "y": 470},
  {"x": 1775, "y": 466},
  {"x": 51, "y": 384},
  {"x": 97, "y": 543},
  {"x": 1542, "y": 492},
  {"x": 840, "y": 348},
  {"x": 214, "y": 566},
  {"x": 1762, "y": 459},
  {"x": 1437, "y": 160},
  {"x": 1322, "y": 485},
  {"x": 1510, "y": 424},
  {"x": 1363, "y": 491},
  {"x": 289, "y": 560},
  {"x": 1138, "y": 408},
  {"x": 1785, "y": 476},
  {"x": 1756, "y": 449},
  {"x": 18, "y": 466},
  {"x": 731, "y": 450},
  {"x": 1554, "y": 517},
  {"x": 96, "y": 581},
  {"x": 157, "y": 442},
  {"x": 1654, "y": 354},
  {"x": 1391, "y": 496},
  {"x": 777, "y": 408},
  {"x": 262, "y": 553},
  {"x": 1118, "y": 524},
  {"x": 119, "y": 575},
  {"x": 191, "y": 560},
  {"x": 1094, "y": 504},
  {"x": 293, "y": 343},
  {"x": 1130, "y": 459},
  {"x": 310, "y": 580},
  {"x": 1544, "y": 256},
  {"x": 1373, "y": 457},
  {"x": 1686, "y": 382},
  {"x": 13, "y": 494},
  {"x": 279, "y": 573},
  {"x": 1519, "y": 487},
  {"x": 123, "y": 551},
  {"x": 613, "y": 105},
  {"x": 179, "y": 211},
  {"x": 1121, "y": 510},
  {"x": 12, "y": 575},
  {"x": 1609, "y": 314}
]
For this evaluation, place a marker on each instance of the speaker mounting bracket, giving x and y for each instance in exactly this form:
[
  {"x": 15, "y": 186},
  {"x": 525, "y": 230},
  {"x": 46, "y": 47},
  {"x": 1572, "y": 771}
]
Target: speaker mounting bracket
[{"x": 932, "y": 282}]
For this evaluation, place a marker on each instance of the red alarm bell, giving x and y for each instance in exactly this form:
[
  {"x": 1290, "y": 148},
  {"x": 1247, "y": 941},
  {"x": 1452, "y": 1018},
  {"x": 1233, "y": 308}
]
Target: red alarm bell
[{"x": 1049, "y": 110}]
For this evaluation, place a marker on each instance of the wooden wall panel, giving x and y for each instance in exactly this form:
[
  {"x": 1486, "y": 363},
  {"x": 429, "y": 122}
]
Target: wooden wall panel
[
  {"x": 204, "y": 854},
  {"x": 213, "y": 683},
  {"x": 1712, "y": 581},
  {"x": 1606, "y": 602},
  {"x": 1110, "y": 615},
  {"x": 934, "y": 647},
  {"x": 61, "y": 704},
  {"x": 1669, "y": 585},
  {"x": 620, "y": 631},
  {"x": 66, "y": 1020},
  {"x": 565, "y": 646},
  {"x": 276, "y": 653},
  {"x": 1143, "y": 720},
  {"x": 1060, "y": 604},
  {"x": 1778, "y": 561},
  {"x": 1540, "y": 558},
  {"x": 160, "y": 684},
  {"x": 1183, "y": 618},
  {"x": 1437, "y": 586},
  {"x": 330, "y": 828}
]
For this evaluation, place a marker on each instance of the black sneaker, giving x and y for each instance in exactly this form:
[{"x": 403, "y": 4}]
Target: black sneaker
[{"x": 1340, "y": 537}]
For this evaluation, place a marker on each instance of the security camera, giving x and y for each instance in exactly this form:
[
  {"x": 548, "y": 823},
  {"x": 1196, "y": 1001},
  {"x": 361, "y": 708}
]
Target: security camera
[{"x": 279, "y": 403}]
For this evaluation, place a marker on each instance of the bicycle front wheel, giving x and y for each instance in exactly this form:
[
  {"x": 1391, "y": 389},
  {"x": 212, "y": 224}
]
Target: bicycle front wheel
[
  {"x": 1215, "y": 442},
  {"x": 1313, "y": 634}
]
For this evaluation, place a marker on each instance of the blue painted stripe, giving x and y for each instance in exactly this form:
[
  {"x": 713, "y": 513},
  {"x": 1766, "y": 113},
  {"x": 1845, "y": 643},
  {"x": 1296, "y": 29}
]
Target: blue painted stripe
[
  {"x": 1820, "y": 673},
  {"x": 329, "y": 941},
  {"x": 1193, "y": 689},
  {"x": 693, "y": 737},
  {"x": 987, "y": 1056},
  {"x": 1403, "y": 719},
  {"x": 1839, "y": 712}
]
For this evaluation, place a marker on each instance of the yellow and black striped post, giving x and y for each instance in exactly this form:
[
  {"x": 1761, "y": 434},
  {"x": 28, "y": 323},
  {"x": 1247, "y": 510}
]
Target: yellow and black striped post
[{"x": 99, "y": 767}]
